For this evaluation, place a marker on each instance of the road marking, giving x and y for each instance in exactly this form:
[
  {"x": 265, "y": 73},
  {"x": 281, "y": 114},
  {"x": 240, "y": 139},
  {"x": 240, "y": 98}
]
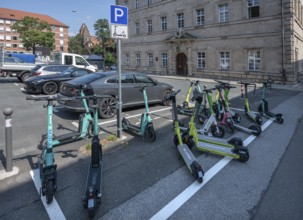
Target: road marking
[
  {"x": 77, "y": 125},
  {"x": 177, "y": 202},
  {"x": 16, "y": 84},
  {"x": 53, "y": 210}
]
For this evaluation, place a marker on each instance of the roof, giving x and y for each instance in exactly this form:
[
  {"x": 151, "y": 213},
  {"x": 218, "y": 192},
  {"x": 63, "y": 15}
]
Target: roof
[{"x": 17, "y": 15}]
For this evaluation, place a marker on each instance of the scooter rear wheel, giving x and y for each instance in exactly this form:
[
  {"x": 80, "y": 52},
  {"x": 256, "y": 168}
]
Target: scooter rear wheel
[
  {"x": 279, "y": 119},
  {"x": 49, "y": 191},
  {"x": 255, "y": 129},
  {"x": 150, "y": 135}
]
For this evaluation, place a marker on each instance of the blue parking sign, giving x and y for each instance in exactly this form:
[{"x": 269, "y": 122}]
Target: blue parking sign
[{"x": 118, "y": 14}]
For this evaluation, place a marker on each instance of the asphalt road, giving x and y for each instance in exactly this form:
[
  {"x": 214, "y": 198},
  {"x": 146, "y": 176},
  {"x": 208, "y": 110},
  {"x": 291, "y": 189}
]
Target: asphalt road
[{"x": 141, "y": 179}]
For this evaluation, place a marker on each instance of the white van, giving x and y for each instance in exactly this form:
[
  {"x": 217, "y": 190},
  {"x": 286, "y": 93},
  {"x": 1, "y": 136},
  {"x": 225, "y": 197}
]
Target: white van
[{"x": 72, "y": 59}]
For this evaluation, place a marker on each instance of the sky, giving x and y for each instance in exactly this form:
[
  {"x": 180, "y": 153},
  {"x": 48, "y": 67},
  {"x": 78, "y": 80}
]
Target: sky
[{"x": 73, "y": 13}]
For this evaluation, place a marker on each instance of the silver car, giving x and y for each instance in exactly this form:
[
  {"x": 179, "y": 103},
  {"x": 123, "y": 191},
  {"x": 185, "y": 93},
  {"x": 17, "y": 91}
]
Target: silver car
[{"x": 48, "y": 69}]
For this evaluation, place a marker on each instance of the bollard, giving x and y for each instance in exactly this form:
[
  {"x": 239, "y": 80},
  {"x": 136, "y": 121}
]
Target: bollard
[{"x": 8, "y": 138}]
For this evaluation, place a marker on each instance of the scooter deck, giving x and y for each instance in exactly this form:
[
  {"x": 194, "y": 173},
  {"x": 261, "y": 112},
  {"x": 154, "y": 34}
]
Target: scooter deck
[
  {"x": 65, "y": 138},
  {"x": 94, "y": 180},
  {"x": 221, "y": 142},
  {"x": 216, "y": 149},
  {"x": 186, "y": 154},
  {"x": 132, "y": 128}
]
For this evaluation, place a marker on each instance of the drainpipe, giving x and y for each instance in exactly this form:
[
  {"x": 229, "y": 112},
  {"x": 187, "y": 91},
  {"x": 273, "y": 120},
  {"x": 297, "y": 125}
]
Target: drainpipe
[{"x": 283, "y": 42}]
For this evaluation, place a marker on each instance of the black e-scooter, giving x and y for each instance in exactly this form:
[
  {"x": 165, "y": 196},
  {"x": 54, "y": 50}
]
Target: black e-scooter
[
  {"x": 190, "y": 160},
  {"x": 263, "y": 107},
  {"x": 93, "y": 189}
]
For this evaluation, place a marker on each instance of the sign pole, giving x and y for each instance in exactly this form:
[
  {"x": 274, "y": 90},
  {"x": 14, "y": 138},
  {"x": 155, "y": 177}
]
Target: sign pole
[{"x": 119, "y": 116}]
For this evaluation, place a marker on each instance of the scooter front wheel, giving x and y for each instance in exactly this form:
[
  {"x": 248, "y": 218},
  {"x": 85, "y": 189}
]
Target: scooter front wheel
[
  {"x": 279, "y": 118},
  {"x": 217, "y": 131},
  {"x": 150, "y": 135},
  {"x": 49, "y": 191},
  {"x": 255, "y": 129}
]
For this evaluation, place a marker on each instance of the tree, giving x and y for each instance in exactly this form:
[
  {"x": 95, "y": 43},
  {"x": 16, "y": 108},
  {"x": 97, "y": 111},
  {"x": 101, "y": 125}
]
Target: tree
[
  {"x": 34, "y": 32},
  {"x": 75, "y": 45},
  {"x": 108, "y": 44}
]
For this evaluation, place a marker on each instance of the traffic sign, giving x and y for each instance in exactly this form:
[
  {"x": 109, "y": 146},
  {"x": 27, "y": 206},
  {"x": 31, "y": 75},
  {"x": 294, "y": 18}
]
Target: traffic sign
[
  {"x": 119, "y": 31},
  {"x": 118, "y": 14}
]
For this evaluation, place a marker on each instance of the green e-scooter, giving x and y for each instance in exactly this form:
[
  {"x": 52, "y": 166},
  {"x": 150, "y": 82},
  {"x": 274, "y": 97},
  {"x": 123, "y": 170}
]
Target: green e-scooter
[{"x": 190, "y": 160}]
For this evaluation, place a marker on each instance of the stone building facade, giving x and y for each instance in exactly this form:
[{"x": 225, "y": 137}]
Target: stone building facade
[{"x": 221, "y": 39}]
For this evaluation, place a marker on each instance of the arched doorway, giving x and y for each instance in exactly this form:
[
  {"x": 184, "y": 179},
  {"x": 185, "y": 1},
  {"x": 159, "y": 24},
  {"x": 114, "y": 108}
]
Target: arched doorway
[{"x": 181, "y": 64}]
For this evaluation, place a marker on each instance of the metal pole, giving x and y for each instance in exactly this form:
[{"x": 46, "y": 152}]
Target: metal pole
[
  {"x": 119, "y": 115},
  {"x": 8, "y": 138}
]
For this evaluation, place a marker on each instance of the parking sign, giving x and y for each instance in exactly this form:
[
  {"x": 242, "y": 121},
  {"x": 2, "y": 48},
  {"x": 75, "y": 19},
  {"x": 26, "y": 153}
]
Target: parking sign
[{"x": 118, "y": 15}]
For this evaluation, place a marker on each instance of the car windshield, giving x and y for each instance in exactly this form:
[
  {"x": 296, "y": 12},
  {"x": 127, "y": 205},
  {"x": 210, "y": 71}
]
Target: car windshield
[{"x": 87, "y": 78}]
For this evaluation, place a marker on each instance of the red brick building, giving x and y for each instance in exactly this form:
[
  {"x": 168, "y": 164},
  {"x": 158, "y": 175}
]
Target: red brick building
[{"x": 10, "y": 38}]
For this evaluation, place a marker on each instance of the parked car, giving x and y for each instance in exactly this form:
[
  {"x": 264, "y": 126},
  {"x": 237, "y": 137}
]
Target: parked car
[
  {"x": 48, "y": 69},
  {"x": 106, "y": 84},
  {"x": 50, "y": 84}
]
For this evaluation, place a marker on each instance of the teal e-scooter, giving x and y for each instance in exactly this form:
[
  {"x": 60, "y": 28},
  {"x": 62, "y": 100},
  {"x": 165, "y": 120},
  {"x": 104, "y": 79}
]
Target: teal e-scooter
[
  {"x": 85, "y": 125},
  {"x": 93, "y": 189},
  {"x": 46, "y": 161},
  {"x": 146, "y": 128},
  {"x": 263, "y": 107}
]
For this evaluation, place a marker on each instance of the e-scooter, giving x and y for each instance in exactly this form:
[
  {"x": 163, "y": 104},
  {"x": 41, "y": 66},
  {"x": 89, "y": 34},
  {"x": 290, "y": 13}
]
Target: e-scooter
[
  {"x": 211, "y": 123},
  {"x": 85, "y": 128},
  {"x": 93, "y": 189},
  {"x": 253, "y": 116},
  {"x": 146, "y": 128},
  {"x": 231, "y": 147},
  {"x": 263, "y": 107},
  {"x": 190, "y": 160},
  {"x": 187, "y": 109},
  {"x": 253, "y": 128},
  {"x": 47, "y": 167}
]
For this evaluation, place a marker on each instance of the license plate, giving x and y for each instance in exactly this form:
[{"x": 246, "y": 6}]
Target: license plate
[{"x": 91, "y": 203}]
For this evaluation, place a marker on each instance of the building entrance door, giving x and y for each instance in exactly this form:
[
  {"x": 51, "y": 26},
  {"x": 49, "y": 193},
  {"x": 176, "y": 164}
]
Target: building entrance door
[{"x": 181, "y": 64}]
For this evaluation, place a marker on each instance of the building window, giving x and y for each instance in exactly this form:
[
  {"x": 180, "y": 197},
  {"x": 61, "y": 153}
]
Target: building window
[
  {"x": 149, "y": 2},
  {"x": 164, "y": 59},
  {"x": 61, "y": 29},
  {"x": 15, "y": 45},
  {"x": 127, "y": 59},
  {"x": 163, "y": 23},
  {"x": 21, "y": 45},
  {"x": 224, "y": 60},
  {"x": 150, "y": 59},
  {"x": 138, "y": 56},
  {"x": 137, "y": 24},
  {"x": 149, "y": 26},
  {"x": 8, "y": 37},
  {"x": 253, "y": 8},
  {"x": 180, "y": 20},
  {"x": 61, "y": 35},
  {"x": 8, "y": 45},
  {"x": 200, "y": 16},
  {"x": 1, "y": 37},
  {"x": 61, "y": 42},
  {"x": 1, "y": 21},
  {"x": 200, "y": 60},
  {"x": 1, "y": 29},
  {"x": 223, "y": 13},
  {"x": 53, "y": 27},
  {"x": 137, "y": 4},
  {"x": 14, "y": 38},
  {"x": 8, "y": 29},
  {"x": 7, "y": 22},
  {"x": 254, "y": 60}
]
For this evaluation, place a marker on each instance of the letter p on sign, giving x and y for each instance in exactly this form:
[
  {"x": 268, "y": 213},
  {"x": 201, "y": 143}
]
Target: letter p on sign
[{"x": 118, "y": 14}]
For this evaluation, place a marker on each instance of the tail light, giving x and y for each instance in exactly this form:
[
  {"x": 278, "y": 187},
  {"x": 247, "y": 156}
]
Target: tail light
[
  {"x": 88, "y": 91},
  {"x": 37, "y": 73}
]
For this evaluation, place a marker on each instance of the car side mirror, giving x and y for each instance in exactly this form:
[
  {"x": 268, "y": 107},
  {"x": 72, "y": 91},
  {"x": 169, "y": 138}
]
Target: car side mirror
[{"x": 155, "y": 82}]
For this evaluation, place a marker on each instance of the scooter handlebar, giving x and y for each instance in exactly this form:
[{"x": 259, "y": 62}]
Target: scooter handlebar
[{"x": 173, "y": 94}]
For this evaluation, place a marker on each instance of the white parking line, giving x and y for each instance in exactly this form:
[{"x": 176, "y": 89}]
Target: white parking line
[
  {"x": 177, "y": 202},
  {"x": 53, "y": 210}
]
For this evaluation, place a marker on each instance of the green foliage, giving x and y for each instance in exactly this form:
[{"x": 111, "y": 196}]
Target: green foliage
[
  {"x": 108, "y": 44},
  {"x": 76, "y": 45},
  {"x": 34, "y": 32}
]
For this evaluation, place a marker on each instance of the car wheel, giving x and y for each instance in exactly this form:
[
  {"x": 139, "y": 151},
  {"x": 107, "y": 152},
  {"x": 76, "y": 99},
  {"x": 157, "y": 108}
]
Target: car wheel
[
  {"x": 24, "y": 77},
  {"x": 107, "y": 107},
  {"x": 165, "y": 101},
  {"x": 50, "y": 88}
]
